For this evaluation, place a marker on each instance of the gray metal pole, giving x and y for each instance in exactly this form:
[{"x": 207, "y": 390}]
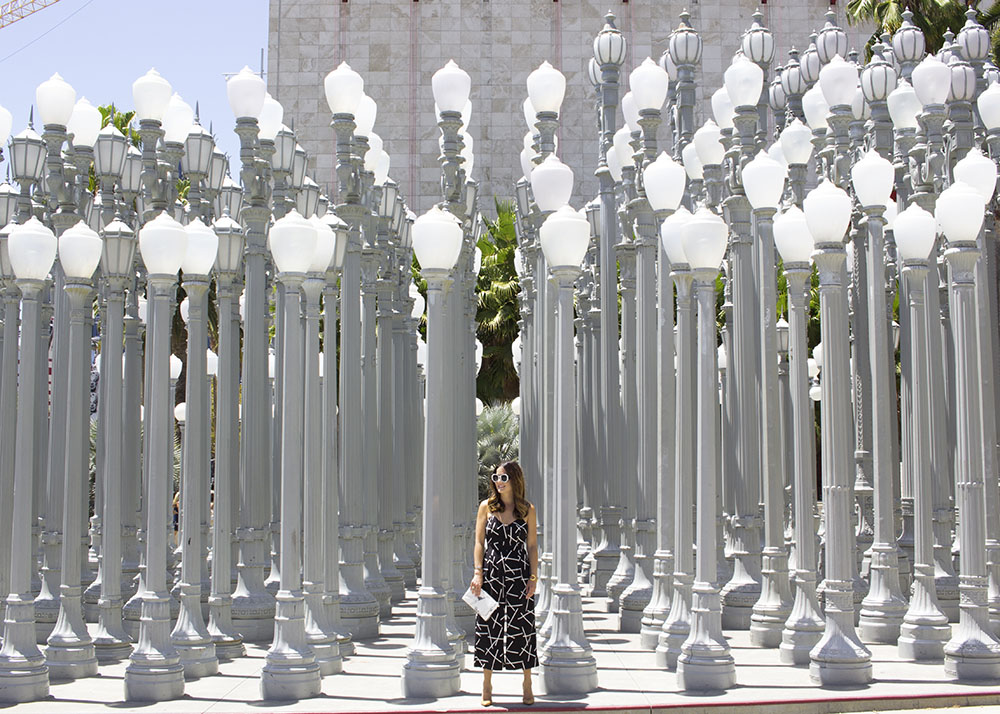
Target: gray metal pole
[{"x": 8, "y": 415}]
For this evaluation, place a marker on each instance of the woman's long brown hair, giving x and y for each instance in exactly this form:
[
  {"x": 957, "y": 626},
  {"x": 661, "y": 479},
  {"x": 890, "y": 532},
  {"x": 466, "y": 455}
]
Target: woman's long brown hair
[{"x": 515, "y": 479}]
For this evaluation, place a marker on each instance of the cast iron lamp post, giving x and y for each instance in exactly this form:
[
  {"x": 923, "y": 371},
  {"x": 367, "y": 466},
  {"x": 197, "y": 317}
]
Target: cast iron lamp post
[
  {"x": 705, "y": 662},
  {"x": 154, "y": 672},
  {"x": 291, "y": 670},
  {"x": 566, "y": 660},
  {"x": 432, "y": 668},
  {"x": 24, "y": 675},
  {"x": 925, "y": 627}
]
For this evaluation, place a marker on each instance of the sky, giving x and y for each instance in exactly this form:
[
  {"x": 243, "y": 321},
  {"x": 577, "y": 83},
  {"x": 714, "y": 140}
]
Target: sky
[{"x": 101, "y": 46}]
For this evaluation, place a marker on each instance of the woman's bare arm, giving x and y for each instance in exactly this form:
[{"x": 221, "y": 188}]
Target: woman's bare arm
[
  {"x": 532, "y": 551},
  {"x": 477, "y": 557}
]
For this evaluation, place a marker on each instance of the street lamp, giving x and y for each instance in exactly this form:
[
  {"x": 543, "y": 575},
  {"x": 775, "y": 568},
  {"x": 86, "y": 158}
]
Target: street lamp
[
  {"x": 431, "y": 668},
  {"x": 24, "y": 675},
  {"x": 839, "y": 657},
  {"x": 705, "y": 662},
  {"x": 925, "y": 627},
  {"x": 567, "y": 662},
  {"x": 154, "y": 672},
  {"x": 70, "y": 652},
  {"x": 973, "y": 652},
  {"x": 291, "y": 670}
]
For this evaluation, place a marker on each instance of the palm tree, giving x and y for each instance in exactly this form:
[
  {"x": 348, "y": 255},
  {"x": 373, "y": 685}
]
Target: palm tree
[
  {"x": 498, "y": 311},
  {"x": 497, "y": 441},
  {"x": 933, "y": 17}
]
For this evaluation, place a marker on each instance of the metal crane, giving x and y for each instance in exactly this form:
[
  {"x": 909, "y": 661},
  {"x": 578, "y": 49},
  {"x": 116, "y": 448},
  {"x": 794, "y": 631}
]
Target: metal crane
[{"x": 14, "y": 10}]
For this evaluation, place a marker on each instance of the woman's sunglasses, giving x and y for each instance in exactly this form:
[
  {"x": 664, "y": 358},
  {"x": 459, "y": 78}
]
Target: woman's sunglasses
[{"x": 501, "y": 478}]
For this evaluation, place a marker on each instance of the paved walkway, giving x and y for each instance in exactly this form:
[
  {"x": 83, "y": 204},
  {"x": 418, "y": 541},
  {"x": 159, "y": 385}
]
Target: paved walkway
[{"x": 628, "y": 677}]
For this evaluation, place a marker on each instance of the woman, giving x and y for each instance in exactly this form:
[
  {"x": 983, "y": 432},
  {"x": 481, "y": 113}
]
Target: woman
[{"x": 506, "y": 567}]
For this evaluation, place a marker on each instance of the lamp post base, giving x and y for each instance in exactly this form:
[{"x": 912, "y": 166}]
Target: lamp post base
[
  {"x": 24, "y": 676},
  {"x": 425, "y": 677},
  {"x": 923, "y": 641},
  {"x": 704, "y": 670},
  {"x": 567, "y": 672},
  {"x": 289, "y": 681},
  {"x": 71, "y": 661},
  {"x": 290, "y": 671},
  {"x": 154, "y": 681}
]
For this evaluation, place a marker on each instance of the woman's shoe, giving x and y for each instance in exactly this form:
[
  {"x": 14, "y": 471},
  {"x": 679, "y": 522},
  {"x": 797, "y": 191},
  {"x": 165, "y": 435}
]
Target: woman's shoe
[
  {"x": 528, "y": 697},
  {"x": 487, "y": 697}
]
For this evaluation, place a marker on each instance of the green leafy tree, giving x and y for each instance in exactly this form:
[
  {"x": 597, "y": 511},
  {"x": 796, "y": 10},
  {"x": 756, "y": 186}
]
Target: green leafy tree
[
  {"x": 497, "y": 441},
  {"x": 498, "y": 311}
]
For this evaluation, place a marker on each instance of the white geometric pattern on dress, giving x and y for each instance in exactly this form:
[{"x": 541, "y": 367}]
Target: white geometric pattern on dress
[{"x": 507, "y": 639}]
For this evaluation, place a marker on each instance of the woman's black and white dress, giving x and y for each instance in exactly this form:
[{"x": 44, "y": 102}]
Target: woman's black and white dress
[{"x": 507, "y": 639}]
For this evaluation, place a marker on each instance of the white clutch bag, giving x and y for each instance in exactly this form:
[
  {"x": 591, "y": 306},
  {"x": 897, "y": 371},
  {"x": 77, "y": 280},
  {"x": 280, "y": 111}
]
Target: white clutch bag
[{"x": 483, "y": 604}]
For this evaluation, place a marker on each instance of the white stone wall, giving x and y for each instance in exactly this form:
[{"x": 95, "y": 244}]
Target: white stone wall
[{"x": 397, "y": 45}]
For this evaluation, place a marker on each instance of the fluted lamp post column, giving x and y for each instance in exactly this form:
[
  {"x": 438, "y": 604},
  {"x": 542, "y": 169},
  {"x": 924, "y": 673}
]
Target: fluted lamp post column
[
  {"x": 664, "y": 181},
  {"x": 883, "y": 608},
  {"x": 925, "y": 627},
  {"x": 804, "y": 626},
  {"x": 228, "y": 261},
  {"x": 190, "y": 635},
  {"x": 154, "y": 672},
  {"x": 432, "y": 668},
  {"x": 24, "y": 675},
  {"x": 253, "y": 606},
  {"x": 567, "y": 664},
  {"x": 290, "y": 670},
  {"x": 705, "y": 663},
  {"x": 839, "y": 658},
  {"x": 70, "y": 652},
  {"x": 677, "y": 624},
  {"x": 973, "y": 652},
  {"x": 763, "y": 183}
]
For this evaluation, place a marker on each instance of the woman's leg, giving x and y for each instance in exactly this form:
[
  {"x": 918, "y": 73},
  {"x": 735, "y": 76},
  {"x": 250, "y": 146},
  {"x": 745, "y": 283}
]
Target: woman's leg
[
  {"x": 528, "y": 697},
  {"x": 487, "y": 687}
]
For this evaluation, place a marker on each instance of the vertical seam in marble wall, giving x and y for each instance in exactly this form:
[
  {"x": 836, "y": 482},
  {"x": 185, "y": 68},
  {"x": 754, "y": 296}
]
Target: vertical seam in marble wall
[
  {"x": 414, "y": 63},
  {"x": 556, "y": 40},
  {"x": 629, "y": 43},
  {"x": 277, "y": 55}
]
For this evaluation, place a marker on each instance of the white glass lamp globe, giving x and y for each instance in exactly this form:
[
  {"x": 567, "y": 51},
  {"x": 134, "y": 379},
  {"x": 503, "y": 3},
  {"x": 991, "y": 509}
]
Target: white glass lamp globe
[
  {"x": 609, "y": 46},
  {"x": 341, "y": 233},
  {"x": 418, "y": 306},
  {"x": 364, "y": 116},
  {"x": 744, "y": 81},
  {"x": 246, "y": 92},
  {"x": 185, "y": 310},
  {"x": 828, "y": 211},
  {"x": 959, "y": 212},
  {"x": 198, "y": 150},
  {"x": 621, "y": 143},
  {"x": 551, "y": 184},
  {"x": 55, "y": 99},
  {"x": 374, "y": 149},
  {"x": 707, "y": 141},
  {"x": 776, "y": 97},
  {"x": 671, "y": 237},
  {"x": 838, "y": 81},
  {"x": 796, "y": 143},
  {"x": 515, "y": 405},
  {"x": 977, "y": 171},
  {"x": 792, "y": 237},
  {"x": 565, "y": 236},
  {"x": 904, "y": 106},
  {"x": 271, "y": 116},
  {"x": 631, "y": 112},
  {"x": 615, "y": 164},
  {"x": 764, "y": 181},
  {"x": 813, "y": 369},
  {"x": 915, "y": 231},
  {"x": 989, "y": 106},
  {"x": 815, "y": 107},
  {"x": 326, "y": 246},
  {"x": 878, "y": 78},
  {"x": 669, "y": 66},
  {"x": 202, "y": 249},
  {"x": 80, "y": 250},
  {"x": 722, "y": 108},
  {"x": 872, "y": 178},
  {"x": 664, "y": 180},
  {"x": 963, "y": 81},
  {"x": 705, "y": 239},
  {"x": 437, "y": 240},
  {"x": 818, "y": 354},
  {"x": 527, "y": 162},
  {"x": 293, "y": 243},
  {"x": 31, "y": 249},
  {"x": 692, "y": 164},
  {"x": 180, "y": 412},
  {"x": 931, "y": 81},
  {"x": 162, "y": 245},
  {"x": 231, "y": 241},
  {"x": 177, "y": 120},
  {"x": 451, "y": 86},
  {"x": 110, "y": 152},
  {"x": 778, "y": 154},
  {"x": 816, "y": 393},
  {"x": 723, "y": 360},
  {"x": 546, "y": 88},
  {"x": 84, "y": 123},
  {"x": 891, "y": 211},
  {"x": 211, "y": 362},
  {"x": 150, "y": 95},
  {"x": 648, "y": 83},
  {"x": 859, "y": 106},
  {"x": 343, "y": 88},
  {"x": 381, "y": 168}
]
